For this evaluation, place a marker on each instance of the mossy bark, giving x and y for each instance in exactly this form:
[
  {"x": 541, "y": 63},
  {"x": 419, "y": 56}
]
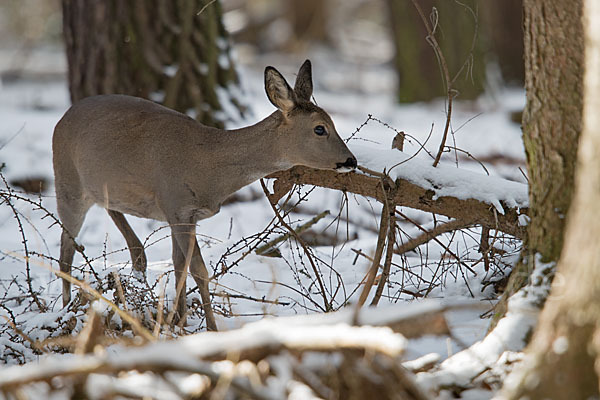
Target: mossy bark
[
  {"x": 552, "y": 123},
  {"x": 173, "y": 52}
]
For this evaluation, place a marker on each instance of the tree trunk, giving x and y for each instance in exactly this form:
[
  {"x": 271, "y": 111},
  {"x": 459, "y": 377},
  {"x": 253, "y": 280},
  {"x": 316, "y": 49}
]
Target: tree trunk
[
  {"x": 564, "y": 354},
  {"x": 308, "y": 20},
  {"x": 174, "y": 52},
  {"x": 551, "y": 127},
  {"x": 503, "y": 24},
  {"x": 456, "y": 30}
]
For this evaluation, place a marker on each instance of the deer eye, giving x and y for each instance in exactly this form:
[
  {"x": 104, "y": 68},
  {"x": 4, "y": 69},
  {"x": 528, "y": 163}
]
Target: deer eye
[{"x": 320, "y": 130}]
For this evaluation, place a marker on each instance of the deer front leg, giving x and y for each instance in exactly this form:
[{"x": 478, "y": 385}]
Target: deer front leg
[
  {"x": 186, "y": 256},
  {"x": 67, "y": 251}
]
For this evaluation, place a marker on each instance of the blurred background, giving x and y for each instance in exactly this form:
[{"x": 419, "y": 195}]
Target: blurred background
[
  {"x": 480, "y": 40},
  {"x": 206, "y": 57}
]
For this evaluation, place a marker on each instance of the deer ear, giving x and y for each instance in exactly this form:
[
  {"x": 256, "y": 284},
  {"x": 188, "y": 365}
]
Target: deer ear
[
  {"x": 278, "y": 91},
  {"x": 304, "y": 86}
]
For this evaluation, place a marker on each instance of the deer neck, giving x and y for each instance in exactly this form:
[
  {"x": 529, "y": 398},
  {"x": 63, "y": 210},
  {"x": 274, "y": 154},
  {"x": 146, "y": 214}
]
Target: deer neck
[{"x": 253, "y": 153}]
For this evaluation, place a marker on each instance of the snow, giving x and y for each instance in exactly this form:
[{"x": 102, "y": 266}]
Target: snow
[
  {"x": 560, "y": 345},
  {"x": 170, "y": 70},
  {"x": 508, "y": 336},
  {"x": 185, "y": 354},
  {"x": 444, "y": 180},
  {"x": 284, "y": 287}
]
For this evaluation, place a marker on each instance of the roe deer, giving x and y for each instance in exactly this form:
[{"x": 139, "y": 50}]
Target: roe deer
[{"x": 132, "y": 156}]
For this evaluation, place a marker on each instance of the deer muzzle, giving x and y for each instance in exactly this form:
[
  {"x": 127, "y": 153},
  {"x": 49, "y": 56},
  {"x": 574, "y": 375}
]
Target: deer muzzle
[{"x": 347, "y": 166}]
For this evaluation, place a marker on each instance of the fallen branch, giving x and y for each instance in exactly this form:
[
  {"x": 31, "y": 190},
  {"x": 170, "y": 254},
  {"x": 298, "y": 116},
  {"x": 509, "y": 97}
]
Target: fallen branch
[
  {"x": 429, "y": 235},
  {"x": 469, "y": 211},
  {"x": 267, "y": 247},
  {"x": 262, "y": 360}
]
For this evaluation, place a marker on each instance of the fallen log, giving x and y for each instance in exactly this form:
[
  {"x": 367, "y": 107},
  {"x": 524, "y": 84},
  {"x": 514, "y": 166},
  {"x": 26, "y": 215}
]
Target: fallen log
[{"x": 505, "y": 215}]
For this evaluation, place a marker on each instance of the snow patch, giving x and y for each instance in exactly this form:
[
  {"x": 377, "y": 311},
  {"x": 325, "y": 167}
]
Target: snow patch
[{"x": 509, "y": 335}]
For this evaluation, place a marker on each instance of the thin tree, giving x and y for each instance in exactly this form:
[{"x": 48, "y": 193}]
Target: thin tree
[
  {"x": 551, "y": 127},
  {"x": 563, "y": 359}
]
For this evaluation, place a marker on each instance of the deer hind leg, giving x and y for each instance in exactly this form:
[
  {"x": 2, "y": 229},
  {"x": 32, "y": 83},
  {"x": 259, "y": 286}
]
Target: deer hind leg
[
  {"x": 136, "y": 249},
  {"x": 71, "y": 210},
  {"x": 187, "y": 253}
]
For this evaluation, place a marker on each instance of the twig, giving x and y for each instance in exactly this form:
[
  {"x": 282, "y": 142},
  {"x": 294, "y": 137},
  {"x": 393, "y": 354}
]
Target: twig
[
  {"x": 10, "y": 139},
  {"x": 120, "y": 291},
  {"x": 56, "y": 221},
  {"x": 264, "y": 248},
  {"x": 12, "y": 324},
  {"x": 372, "y": 274},
  {"x": 391, "y": 239},
  {"x": 369, "y": 117},
  {"x": 302, "y": 243},
  {"x": 484, "y": 247},
  {"x": 7, "y": 198},
  {"x": 429, "y": 235},
  {"x": 205, "y": 6},
  {"x": 361, "y": 254},
  {"x": 448, "y": 83},
  {"x": 246, "y": 297},
  {"x": 422, "y": 147},
  {"x": 293, "y": 289},
  {"x": 160, "y": 310},
  {"x": 469, "y": 155},
  {"x": 438, "y": 241}
]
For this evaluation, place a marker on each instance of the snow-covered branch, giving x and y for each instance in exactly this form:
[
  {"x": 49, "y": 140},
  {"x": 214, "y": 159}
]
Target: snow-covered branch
[
  {"x": 456, "y": 193},
  {"x": 262, "y": 360}
]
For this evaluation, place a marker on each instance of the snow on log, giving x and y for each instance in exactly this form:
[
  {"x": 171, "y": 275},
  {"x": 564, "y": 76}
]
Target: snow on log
[
  {"x": 456, "y": 193},
  {"x": 445, "y": 181},
  {"x": 321, "y": 355}
]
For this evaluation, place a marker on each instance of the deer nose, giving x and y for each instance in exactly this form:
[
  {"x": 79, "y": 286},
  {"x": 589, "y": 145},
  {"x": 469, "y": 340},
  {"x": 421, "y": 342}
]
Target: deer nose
[{"x": 350, "y": 163}]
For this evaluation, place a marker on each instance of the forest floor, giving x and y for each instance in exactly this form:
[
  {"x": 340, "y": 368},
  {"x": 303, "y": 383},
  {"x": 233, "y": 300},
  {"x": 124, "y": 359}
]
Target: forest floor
[{"x": 31, "y": 105}]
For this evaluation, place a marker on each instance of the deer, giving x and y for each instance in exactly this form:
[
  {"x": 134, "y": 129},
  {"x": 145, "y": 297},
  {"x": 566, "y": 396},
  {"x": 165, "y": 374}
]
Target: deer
[{"x": 133, "y": 156}]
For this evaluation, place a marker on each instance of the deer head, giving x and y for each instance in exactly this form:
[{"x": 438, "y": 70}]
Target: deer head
[{"x": 311, "y": 138}]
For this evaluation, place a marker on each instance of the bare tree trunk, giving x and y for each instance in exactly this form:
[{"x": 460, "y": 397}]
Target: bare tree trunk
[
  {"x": 173, "y": 52},
  {"x": 564, "y": 354},
  {"x": 457, "y": 31},
  {"x": 551, "y": 126},
  {"x": 503, "y": 24},
  {"x": 308, "y": 20}
]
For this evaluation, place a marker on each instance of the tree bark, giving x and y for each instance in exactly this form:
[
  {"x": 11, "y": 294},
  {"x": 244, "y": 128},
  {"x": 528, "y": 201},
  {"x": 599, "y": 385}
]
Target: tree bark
[
  {"x": 551, "y": 127},
  {"x": 174, "y": 52},
  {"x": 564, "y": 354}
]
